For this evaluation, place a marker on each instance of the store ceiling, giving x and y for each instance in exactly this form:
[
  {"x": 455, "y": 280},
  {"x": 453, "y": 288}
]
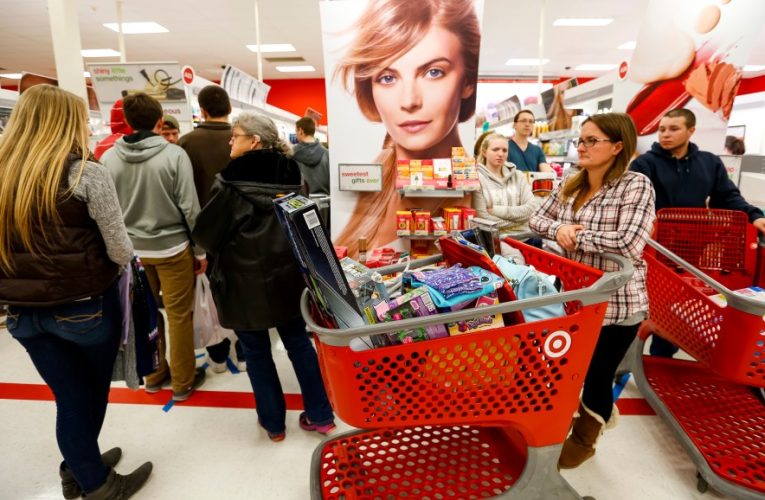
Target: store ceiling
[{"x": 208, "y": 34}]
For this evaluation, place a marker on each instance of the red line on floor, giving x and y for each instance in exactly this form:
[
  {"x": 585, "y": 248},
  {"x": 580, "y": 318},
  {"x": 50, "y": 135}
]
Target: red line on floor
[{"x": 220, "y": 399}]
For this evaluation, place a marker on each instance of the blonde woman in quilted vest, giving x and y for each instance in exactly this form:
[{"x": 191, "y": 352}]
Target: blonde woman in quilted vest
[{"x": 505, "y": 192}]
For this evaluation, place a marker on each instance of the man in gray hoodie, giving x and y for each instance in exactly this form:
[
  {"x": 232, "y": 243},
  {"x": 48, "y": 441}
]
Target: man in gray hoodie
[
  {"x": 155, "y": 187},
  {"x": 312, "y": 157}
]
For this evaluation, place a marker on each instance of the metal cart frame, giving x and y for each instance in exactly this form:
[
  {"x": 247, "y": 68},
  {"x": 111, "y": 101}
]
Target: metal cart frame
[{"x": 521, "y": 431}]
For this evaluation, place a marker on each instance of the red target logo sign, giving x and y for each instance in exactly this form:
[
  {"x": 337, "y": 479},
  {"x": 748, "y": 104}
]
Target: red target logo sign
[
  {"x": 557, "y": 344},
  {"x": 188, "y": 75},
  {"x": 623, "y": 68}
]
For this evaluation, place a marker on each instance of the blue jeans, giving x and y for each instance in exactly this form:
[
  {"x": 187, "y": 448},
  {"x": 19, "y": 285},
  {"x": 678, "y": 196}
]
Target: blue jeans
[
  {"x": 269, "y": 396},
  {"x": 73, "y": 347}
]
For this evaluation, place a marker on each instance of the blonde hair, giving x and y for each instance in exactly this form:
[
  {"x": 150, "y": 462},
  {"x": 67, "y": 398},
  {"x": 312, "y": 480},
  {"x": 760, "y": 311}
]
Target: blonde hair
[
  {"x": 485, "y": 145},
  {"x": 387, "y": 30},
  {"x": 46, "y": 126},
  {"x": 264, "y": 128},
  {"x": 618, "y": 127}
]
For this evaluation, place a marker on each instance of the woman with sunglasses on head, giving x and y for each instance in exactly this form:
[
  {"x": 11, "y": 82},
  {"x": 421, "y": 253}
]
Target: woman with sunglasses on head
[
  {"x": 62, "y": 245},
  {"x": 602, "y": 208},
  {"x": 255, "y": 280}
]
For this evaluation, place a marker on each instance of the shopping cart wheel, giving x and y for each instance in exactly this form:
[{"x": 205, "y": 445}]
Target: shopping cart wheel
[{"x": 702, "y": 485}]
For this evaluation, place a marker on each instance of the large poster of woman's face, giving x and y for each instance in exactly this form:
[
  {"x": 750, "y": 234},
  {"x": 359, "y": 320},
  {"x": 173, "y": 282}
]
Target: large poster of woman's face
[{"x": 401, "y": 85}]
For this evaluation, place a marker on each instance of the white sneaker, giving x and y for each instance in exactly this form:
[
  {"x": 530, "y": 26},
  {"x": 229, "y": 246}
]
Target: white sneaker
[
  {"x": 217, "y": 367},
  {"x": 241, "y": 365}
]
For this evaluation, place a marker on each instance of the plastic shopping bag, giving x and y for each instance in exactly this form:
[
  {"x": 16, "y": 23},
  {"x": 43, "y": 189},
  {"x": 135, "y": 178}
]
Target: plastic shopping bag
[{"x": 207, "y": 329}]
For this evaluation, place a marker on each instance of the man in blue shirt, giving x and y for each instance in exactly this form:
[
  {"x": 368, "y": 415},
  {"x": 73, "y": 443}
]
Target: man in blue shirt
[{"x": 522, "y": 153}]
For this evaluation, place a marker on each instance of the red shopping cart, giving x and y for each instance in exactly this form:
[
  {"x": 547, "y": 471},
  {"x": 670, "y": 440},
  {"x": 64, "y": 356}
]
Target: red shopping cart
[
  {"x": 709, "y": 402},
  {"x": 471, "y": 416}
]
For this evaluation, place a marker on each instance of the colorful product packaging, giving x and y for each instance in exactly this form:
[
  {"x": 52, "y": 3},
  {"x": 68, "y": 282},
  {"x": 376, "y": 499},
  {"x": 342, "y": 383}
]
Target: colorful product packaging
[
  {"x": 467, "y": 216},
  {"x": 458, "y": 151},
  {"x": 404, "y": 223},
  {"x": 442, "y": 169},
  {"x": 341, "y": 252},
  {"x": 422, "y": 223},
  {"x": 453, "y": 218},
  {"x": 416, "y": 303},
  {"x": 481, "y": 323},
  {"x": 379, "y": 257},
  {"x": 439, "y": 226}
]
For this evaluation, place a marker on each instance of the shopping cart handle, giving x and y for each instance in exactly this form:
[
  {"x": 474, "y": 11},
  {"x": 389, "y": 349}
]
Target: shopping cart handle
[
  {"x": 598, "y": 292},
  {"x": 735, "y": 300}
]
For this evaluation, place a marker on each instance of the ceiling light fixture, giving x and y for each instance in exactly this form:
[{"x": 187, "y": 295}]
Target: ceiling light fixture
[
  {"x": 627, "y": 45},
  {"x": 754, "y": 67},
  {"x": 295, "y": 69},
  {"x": 11, "y": 76},
  {"x": 526, "y": 62},
  {"x": 99, "y": 53},
  {"x": 595, "y": 67},
  {"x": 141, "y": 28},
  {"x": 575, "y": 21},
  {"x": 272, "y": 47}
]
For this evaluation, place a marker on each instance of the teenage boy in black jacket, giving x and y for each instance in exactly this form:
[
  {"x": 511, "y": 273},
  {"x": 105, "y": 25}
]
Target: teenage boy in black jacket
[{"x": 684, "y": 176}]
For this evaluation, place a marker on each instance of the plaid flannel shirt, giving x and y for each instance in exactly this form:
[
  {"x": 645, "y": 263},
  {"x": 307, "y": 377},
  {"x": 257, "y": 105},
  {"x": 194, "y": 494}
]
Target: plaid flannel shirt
[{"x": 618, "y": 219}]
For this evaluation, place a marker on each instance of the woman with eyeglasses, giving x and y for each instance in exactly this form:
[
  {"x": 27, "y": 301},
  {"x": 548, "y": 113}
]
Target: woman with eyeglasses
[
  {"x": 526, "y": 156},
  {"x": 602, "y": 208},
  {"x": 255, "y": 280},
  {"x": 505, "y": 194}
]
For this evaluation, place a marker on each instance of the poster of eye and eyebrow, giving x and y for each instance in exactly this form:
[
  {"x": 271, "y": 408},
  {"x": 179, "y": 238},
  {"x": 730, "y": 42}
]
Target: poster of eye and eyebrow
[
  {"x": 689, "y": 55},
  {"x": 401, "y": 85}
]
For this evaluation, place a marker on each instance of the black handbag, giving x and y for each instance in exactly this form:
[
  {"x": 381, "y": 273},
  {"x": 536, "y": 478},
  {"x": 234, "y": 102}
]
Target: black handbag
[{"x": 147, "y": 321}]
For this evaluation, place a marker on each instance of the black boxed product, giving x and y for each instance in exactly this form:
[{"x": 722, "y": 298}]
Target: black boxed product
[{"x": 316, "y": 257}]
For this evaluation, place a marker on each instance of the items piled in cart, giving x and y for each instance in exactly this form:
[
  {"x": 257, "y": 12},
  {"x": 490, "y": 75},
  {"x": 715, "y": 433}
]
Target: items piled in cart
[{"x": 351, "y": 293}]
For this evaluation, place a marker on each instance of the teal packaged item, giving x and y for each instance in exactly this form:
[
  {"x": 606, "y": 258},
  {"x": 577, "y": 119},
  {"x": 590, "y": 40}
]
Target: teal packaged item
[
  {"x": 529, "y": 283},
  {"x": 447, "y": 294}
]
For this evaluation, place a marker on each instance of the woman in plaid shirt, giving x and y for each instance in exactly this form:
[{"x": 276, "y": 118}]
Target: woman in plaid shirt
[{"x": 602, "y": 208}]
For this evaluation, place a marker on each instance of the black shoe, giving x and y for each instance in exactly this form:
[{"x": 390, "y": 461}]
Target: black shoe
[
  {"x": 199, "y": 379},
  {"x": 69, "y": 487},
  {"x": 119, "y": 487}
]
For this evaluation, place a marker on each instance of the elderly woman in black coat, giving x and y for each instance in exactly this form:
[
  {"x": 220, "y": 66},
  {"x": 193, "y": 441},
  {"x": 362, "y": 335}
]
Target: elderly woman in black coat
[{"x": 255, "y": 280}]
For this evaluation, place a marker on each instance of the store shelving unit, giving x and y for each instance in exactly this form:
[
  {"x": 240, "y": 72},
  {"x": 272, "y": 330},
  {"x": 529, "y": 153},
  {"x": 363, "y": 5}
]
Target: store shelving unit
[{"x": 432, "y": 193}]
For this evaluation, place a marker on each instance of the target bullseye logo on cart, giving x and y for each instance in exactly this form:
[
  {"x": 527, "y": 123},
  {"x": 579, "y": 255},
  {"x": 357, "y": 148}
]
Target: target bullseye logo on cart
[{"x": 557, "y": 344}]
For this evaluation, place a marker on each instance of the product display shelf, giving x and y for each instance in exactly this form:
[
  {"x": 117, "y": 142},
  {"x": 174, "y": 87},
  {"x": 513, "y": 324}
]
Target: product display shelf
[
  {"x": 469, "y": 416},
  {"x": 710, "y": 402},
  {"x": 432, "y": 193},
  {"x": 420, "y": 236}
]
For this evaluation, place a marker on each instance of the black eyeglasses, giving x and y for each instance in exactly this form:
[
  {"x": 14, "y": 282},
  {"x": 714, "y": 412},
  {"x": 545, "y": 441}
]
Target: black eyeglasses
[{"x": 589, "y": 142}]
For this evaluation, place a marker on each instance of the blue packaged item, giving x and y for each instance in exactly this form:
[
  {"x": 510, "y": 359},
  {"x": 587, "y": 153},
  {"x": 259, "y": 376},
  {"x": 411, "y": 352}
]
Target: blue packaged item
[
  {"x": 455, "y": 285},
  {"x": 528, "y": 283}
]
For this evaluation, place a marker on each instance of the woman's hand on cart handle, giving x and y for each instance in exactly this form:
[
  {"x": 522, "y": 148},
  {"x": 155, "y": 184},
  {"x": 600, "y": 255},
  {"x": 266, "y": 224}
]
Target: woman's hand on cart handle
[{"x": 760, "y": 225}]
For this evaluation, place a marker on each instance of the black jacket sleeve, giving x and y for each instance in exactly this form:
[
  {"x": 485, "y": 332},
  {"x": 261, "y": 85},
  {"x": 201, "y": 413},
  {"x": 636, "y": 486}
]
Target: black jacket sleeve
[
  {"x": 216, "y": 220},
  {"x": 726, "y": 194}
]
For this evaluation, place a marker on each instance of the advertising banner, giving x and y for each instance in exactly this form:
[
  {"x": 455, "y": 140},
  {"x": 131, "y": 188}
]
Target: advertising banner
[
  {"x": 160, "y": 80},
  {"x": 243, "y": 87},
  {"x": 689, "y": 55},
  {"x": 401, "y": 85}
]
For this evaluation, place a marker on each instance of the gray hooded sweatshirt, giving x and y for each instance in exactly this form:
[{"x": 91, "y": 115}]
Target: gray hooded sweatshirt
[
  {"x": 155, "y": 186},
  {"x": 313, "y": 160},
  {"x": 509, "y": 196}
]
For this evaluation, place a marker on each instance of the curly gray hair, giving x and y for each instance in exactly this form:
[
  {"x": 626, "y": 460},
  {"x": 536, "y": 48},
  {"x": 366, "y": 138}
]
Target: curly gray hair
[{"x": 264, "y": 128}]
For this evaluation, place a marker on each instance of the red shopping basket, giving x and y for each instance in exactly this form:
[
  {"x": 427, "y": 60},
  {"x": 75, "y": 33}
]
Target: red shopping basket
[
  {"x": 528, "y": 375},
  {"x": 725, "y": 334},
  {"x": 721, "y": 243}
]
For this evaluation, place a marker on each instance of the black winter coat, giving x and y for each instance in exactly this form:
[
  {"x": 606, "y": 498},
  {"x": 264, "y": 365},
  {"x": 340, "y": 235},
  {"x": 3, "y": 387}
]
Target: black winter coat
[{"x": 254, "y": 279}]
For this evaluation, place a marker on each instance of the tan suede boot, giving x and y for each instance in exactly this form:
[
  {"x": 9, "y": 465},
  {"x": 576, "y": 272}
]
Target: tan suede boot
[{"x": 580, "y": 445}]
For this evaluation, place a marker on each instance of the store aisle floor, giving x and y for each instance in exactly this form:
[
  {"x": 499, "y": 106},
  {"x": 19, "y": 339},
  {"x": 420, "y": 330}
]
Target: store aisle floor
[{"x": 212, "y": 452}]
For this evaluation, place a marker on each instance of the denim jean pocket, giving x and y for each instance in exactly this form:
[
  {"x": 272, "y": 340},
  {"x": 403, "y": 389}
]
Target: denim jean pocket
[{"x": 80, "y": 317}]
